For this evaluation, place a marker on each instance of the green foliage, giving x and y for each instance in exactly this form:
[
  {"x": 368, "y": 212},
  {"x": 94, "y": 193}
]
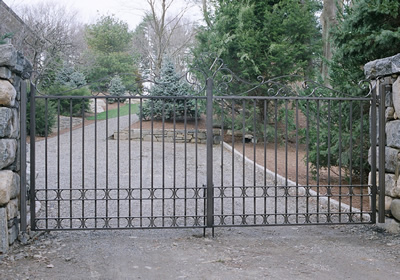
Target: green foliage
[
  {"x": 259, "y": 38},
  {"x": 267, "y": 38},
  {"x": 170, "y": 85},
  {"x": 109, "y": 42},
  {"x": 368, "y": 30},
  {"x": 69, "y": 106},
  {"x": 116, "y": 88},
  {"x": 45, "y": 116},
  {"x": 68, "y": 76},
  {"x": 4, "y": 37}
]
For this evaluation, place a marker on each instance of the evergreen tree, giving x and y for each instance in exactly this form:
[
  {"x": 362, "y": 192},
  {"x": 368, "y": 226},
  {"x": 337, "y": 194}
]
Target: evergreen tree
[
  {"x": 367, "y": 30},
  {"x": 263, "y": 38},
  {"x": 170, "y": 85},
  {"x": 110, "y": 50}
]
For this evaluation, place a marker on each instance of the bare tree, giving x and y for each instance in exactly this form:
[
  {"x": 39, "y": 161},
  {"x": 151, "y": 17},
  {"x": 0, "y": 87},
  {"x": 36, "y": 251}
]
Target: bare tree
[
  {"x": 59, "y": 34},
  {"x": 164, "y": 32}
]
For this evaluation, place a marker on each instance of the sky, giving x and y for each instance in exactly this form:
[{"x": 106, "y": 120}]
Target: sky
[{"x": 130, "y": 11}]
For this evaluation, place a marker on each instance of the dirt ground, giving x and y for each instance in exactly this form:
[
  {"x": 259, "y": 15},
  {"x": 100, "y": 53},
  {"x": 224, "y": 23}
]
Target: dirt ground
[{"x": 308, "y": 252}]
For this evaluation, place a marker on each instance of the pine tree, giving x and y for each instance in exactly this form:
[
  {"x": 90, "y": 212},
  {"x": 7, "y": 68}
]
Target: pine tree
[{"x": 170, "y": 85}]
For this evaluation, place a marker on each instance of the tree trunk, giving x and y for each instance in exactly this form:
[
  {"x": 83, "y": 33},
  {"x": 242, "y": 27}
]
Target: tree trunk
[{"x": 328, "y": 21}]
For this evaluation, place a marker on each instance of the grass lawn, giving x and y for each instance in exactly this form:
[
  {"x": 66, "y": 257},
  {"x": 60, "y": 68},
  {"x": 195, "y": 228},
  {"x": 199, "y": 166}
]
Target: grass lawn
[{"x": 113, "y": 113}]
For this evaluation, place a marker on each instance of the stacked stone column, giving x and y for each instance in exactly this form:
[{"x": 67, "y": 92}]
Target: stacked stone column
[
  {"x": 388, "y": 70},
  {"x": 13, "y": 69}
]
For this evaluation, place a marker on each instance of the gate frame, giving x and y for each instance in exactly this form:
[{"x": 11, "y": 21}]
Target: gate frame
[{"x": 377, "y": 98}]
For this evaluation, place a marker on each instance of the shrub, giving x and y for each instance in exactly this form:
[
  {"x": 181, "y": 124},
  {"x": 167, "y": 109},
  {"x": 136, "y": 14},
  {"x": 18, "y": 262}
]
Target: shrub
[
  {"x": 170, "y": 85},
  {"x": 42, "y": 118},
  {"x": 65, "y": 103}
]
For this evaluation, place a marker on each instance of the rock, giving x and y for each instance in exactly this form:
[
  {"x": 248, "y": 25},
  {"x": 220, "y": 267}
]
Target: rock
[
  {"x": 5, "y": 73},
  {"x": 3, "y": 230},
  {"x": 392, "y": 186},
  {"x": 389, "y": 113},
  {"x": 395, "y": 209},
  {"x": 383, "y": 67},
  {"x": 396, "y": 96},
  {"x": 9, "y": 186},
  {"x": 391, "y": 225},
  {"x": 393, "y": 134},
  {"x": 7, "y": 93},
  {"x": 9, "y": 123},
  {"x": 8, "y": 55},
  {"x": 8, "y": 152},
  {"x": 12, "y": 209},
  {"x": 391, "y": 158},
  {"x": 13, "y": 234}
]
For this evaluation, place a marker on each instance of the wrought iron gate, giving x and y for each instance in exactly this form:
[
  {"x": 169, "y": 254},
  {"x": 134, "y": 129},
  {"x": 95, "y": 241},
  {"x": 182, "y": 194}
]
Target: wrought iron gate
[{"x": 252, "y": 161}]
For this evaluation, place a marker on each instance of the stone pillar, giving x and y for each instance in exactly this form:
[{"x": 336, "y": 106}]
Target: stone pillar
[
  {"x": 389, "y": 70},
  {"x": 13, "y": 69}
]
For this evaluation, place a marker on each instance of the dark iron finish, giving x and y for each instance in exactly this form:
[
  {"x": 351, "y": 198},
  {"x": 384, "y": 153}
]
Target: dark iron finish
[
  {"x": 32, "y": 131},
  {"x": 383, "y": 88},
  {"x": 24, "y": 195},
  {"x": 175, "y": 181}
]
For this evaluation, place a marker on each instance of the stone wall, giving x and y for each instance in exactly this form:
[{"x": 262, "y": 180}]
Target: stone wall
[
  {"x": 13, "y": 69},
  {"x": 169, "y": 135},
  {"x": 388, "y": 69}
]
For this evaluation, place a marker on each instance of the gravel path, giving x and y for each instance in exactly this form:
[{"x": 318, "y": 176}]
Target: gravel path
[{"x": 295, "y": 252}]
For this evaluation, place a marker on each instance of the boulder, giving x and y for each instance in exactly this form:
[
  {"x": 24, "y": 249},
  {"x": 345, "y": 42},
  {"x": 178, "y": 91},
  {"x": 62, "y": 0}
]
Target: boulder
[
  {"x": 8, "y": 152},
  {"x": 383, "y": 67},
  {"x": 7, "y": 93}
]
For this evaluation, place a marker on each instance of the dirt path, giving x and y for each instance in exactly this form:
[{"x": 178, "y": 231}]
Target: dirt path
[{"x": 309, "y": 252}]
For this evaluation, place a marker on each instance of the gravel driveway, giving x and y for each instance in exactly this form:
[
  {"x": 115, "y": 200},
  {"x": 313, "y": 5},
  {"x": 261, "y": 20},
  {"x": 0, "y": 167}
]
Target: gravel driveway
[{"x": 295, "y": 252}]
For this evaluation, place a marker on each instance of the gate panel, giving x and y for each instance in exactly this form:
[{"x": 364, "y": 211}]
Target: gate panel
[
  {"x": 292, "y": 138},
  {"x": 94, "y": 177}
]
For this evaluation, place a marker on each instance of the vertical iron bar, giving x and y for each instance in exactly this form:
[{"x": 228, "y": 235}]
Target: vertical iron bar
[
  {"x": 130, "y": 196},
  {"x": 46, "y": 167},
  {"x": 307, "y": 163},
  {"x": 361, "y": 159},
  {"x": 118, "y": 164},
  {"x": 141, "y": 163},
  {"x": 210, "y": 187},
  {"x": 58, "y": 163},
  {"x": 32, "y": 133},
  {"x": 340, "y": 159},
  {"x": 151, "y": 196},
  {"x": 185, "y": 163},
  {"x": 222, "y": 157},
  {"x": 23, "y": 225},
  {"x": 254, "y": 161},
  {"x": 163, "y": 162},
  {"x": 265, "y": 131},
  {"x": 351, "y": 161},
  {"x": 106, "y": 193},
  {"x": 276, "y": 159},
  {"x": 243, "y": 188},
  {"x": 318, "y": 151},
  {"x": 328, "y": 188},
  {"x": 297, "y": 161},
  {"x": 373, "y": 136},
  {"x": 95, "y": 162},
  {"x": 382, "y": 142},
  {"x": 286, "y": 161},
  {"x": 83, "y": 164},
  {"x": 233, "y": 160},
  {"x": 174, "y": 176},
  {"x": 70, "y": 163}
]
